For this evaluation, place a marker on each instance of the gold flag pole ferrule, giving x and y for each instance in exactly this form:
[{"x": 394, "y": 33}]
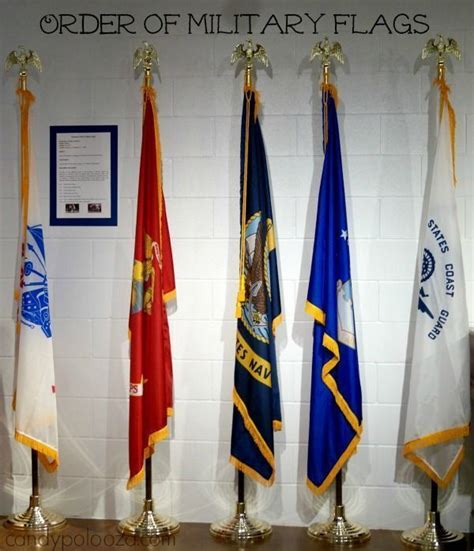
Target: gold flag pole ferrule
[
  {"x": 441, "y": 69},
  {"x": 146, "y": 56},
  {"x": 23, "y": 58},
  {"x": 23, "y": 80},
  {"x": 147, "y": 78},
  {"x": 249, "y": 76},
  {"x": 326, "y": 74}
]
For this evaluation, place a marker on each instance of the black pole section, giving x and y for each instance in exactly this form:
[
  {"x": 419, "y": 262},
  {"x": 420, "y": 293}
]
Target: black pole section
[
  {"x": 339, "y": 489},
  {"x": 240, "y": 486},
  {"x": 34, "y": 472},
  {"x": 148, "y": 479},
  {"x": 434, "y": 496}
]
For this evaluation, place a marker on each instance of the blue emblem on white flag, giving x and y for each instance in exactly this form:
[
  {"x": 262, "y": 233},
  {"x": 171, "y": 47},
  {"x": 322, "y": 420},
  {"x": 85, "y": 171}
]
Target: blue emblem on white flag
[{"x": 34, "y": 283}]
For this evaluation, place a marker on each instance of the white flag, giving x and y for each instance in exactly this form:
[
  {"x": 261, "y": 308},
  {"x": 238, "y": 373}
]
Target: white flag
[
  {"x": 35, "y": 392},
  {"x": 438, "y": 403}
]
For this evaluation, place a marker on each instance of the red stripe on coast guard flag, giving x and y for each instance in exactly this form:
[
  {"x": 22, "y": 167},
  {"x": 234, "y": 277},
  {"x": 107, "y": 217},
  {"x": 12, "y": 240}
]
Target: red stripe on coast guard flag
[{"x": 153, "y": 285}]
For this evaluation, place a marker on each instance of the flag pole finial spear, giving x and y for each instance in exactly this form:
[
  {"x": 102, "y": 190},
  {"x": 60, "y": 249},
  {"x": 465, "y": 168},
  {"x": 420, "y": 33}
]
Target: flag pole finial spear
[
  {"x": 442, "y": 47},
  {"x": 326, "y": 50},
  {"x": 147, "y": 57},
  {"x": 23, "y": 57},
  {"x": 251, "y": 55}
]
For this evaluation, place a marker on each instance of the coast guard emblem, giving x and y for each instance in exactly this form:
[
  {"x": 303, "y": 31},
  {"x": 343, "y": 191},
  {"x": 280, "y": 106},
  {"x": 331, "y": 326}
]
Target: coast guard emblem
[{"x": 427, "y": 270}]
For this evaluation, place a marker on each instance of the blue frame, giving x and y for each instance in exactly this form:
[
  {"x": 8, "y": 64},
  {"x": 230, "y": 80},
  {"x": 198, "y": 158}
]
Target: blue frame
[{"x": 53, "y": 215}]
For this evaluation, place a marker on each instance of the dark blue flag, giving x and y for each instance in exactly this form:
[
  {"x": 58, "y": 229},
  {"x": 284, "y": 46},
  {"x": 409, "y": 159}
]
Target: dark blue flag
[
  {"x": 336, "y": 406},
  {"x": 256, "y": 395}
]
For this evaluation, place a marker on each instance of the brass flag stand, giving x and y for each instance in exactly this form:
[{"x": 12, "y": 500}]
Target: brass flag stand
[
  {"x": 339, "y": 530},
  {"x": 432, "y": 535},
  {"x": 35, "y": 518},
  {"x": 148, "y": 523},
  {"x": 241, "y": 528}
]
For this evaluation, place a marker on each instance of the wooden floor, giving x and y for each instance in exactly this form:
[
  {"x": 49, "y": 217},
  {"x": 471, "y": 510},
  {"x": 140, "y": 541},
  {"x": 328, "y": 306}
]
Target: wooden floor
[{"x": 90, "y": 535}]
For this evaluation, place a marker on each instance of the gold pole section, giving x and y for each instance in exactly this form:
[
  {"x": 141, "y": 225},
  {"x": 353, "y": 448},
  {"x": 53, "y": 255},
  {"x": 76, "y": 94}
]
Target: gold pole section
[
  {"x": 23, "y": 78},
  {"x": 147, "y": 57}
]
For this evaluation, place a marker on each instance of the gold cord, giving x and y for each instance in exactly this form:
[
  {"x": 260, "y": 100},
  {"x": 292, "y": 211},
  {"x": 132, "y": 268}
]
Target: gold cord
[
  {"x": 327, "y": 90},
  {"x": 241, "y": 294},
  {"x": 444, "y": 90}
]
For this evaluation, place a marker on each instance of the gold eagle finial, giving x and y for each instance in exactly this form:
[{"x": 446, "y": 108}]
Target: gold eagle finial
[
  {"x": 23, "y": 57},
  {"x": 250, "y": 54},
  {"x": 146, "y": 56},
  {"x": 441, "y": 47},
  {"x": 326, "y": 50}
]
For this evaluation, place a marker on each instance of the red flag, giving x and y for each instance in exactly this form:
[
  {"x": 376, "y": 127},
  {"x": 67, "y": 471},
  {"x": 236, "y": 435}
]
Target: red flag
[{"x": 153, "y": 285}]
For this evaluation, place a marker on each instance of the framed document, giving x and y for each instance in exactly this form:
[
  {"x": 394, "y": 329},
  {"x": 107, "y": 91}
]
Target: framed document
[{"x": 83, "y": 175}]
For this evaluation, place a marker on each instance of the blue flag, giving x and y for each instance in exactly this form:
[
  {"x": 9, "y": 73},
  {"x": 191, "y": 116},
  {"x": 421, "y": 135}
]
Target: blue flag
[
  {"x": 336, "y": 406},
  {"x": 256, "y": 395}
]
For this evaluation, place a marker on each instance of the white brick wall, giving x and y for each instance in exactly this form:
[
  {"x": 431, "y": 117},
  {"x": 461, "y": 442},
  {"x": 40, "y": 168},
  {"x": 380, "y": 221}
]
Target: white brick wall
[{"x": 385, "y": 113}]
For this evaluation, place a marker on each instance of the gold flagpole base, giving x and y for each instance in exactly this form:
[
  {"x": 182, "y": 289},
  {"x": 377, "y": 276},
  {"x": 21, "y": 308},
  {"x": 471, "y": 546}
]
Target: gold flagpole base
[
  {"x": 35, "y": 518},
  {"x": 148, "y": 523},
  {"x": 339, "y": 531},
  {"x": 241, "y": 528},
  {"x": 432, "y": 535}
]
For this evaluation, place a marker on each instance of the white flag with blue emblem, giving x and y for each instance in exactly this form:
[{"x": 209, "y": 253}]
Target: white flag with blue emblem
[
  {"x": 35, "y": 391},
  {"x": 438, "y": 412}
]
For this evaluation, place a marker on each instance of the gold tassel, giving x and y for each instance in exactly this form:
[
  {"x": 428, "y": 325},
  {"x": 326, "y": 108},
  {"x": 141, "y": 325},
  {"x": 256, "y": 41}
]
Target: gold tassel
[
  {"x": 327, "y": 90},
  {"x": 240, "y": 297},
  {"x": 26, "y": 99},
  {"x": 444, "y": 91}
]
